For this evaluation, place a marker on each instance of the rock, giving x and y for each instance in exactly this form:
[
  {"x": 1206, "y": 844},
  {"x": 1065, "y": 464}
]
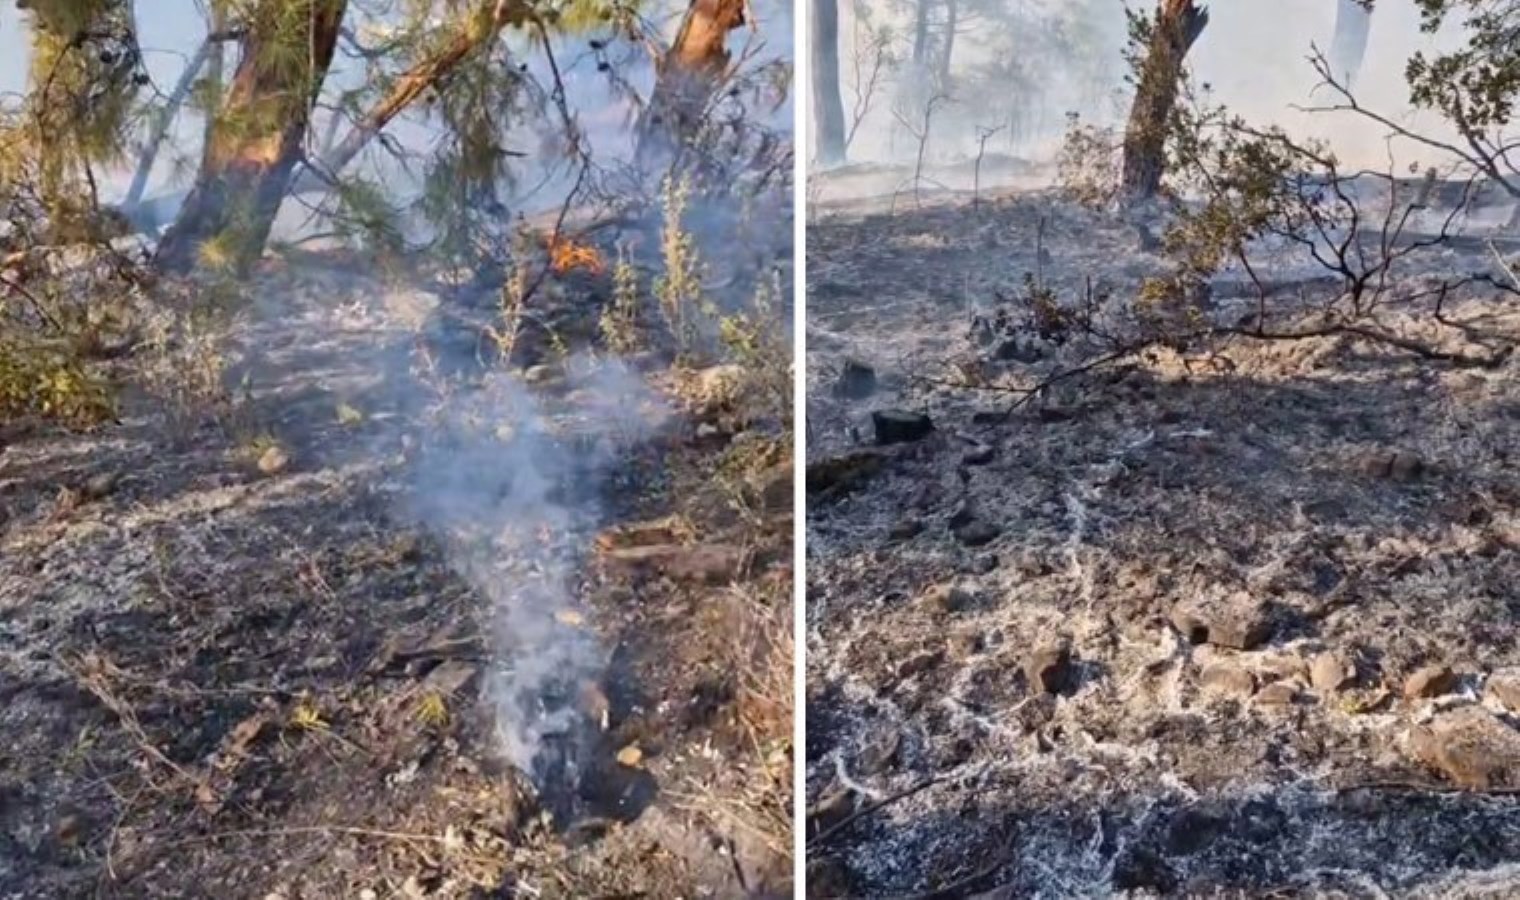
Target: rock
[
  {"x": 979, "y": 456},
  {"x": 1227, "y": 680},
  {"x": 842, "y": 473},
  {"x": 1471, "y": 747},
  {"x": 857, "y": 381},
  {"x": 905, "y": 530},
  {"x": 98, "y": 487},
  {"x": 976, "y": 533},
  {"x": 1238, "y": 621},
  {"x": 1504, "y": 687},
  {"x": 948, "y": 598},
  {"x": 1431, "y": 681},
  {"x": 1399, "y": 465},
  {"x": 1049, "y": 668},
  {"x": 1331, "y": 672},
  {"x": 897, "y": 426},
  {"x": 1278, "y": 693},
  {"x": 273, "y": 460}
]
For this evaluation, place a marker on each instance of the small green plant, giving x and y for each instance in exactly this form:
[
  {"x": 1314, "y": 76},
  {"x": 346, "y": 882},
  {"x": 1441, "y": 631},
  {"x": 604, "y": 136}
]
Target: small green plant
[
  {"x": 756, "y": 339},
  {"x": 49, "y": 379},
  {"x": 619, "y": 322},
  {"x": 678, "y": 290}
]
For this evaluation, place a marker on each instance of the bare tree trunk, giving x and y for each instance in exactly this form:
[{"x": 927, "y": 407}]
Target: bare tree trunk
[
  {"x": 951, "y": 20},
  {"x": 828, "y": 105},
  {"x": 256, "y": 141},
  {"x": 1353, "y": 23},
  {"x": 1177, "y": 25},
  {"x": 921, "y": 32},
  {"x": 689, "y": 73},
  {"x": 165, "y": 121}
]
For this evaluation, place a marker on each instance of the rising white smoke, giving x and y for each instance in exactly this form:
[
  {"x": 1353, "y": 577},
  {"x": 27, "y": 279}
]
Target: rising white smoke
[{"x": 514, "y": 488}]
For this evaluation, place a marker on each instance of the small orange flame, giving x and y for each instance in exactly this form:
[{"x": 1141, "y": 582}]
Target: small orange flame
[{"x": 566, "y": 254}]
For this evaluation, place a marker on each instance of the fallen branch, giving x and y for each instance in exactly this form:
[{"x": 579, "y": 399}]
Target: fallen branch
[{"x": 872, "y": 808}]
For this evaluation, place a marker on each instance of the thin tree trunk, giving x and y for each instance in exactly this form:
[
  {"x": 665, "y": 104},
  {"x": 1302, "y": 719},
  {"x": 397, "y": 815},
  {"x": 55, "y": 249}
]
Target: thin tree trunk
[
  {"x": 1353, "y": 23},
  {"x": 689, "y": 74},
  {"x": 165, "y": 121},
  {"x": 828, "y": 106},
  {"x": 921, "y": 32},
  {"x": 256, "y": 142},
  {"x": 951, "y": 21},
  {"x": 1177, "y": 25}
]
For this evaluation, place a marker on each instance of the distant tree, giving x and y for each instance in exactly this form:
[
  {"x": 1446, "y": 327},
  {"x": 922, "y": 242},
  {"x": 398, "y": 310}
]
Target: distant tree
[{"x": 828, "y": 106}]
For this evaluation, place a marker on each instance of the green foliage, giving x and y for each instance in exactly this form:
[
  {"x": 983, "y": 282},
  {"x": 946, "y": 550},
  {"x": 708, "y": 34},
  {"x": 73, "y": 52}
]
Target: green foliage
[
  {"x": 1476, "y": 85},
  {"x": 49, "y": 378},
  {"x": 679, "y": 287}
]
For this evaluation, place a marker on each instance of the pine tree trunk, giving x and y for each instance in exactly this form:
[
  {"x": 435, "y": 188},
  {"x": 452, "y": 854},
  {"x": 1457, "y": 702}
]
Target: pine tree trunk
[
  {"x": 1353, "y": 23},
  {"x": 478, "y": 30},
  {"x": 827, "y": 104},
  {"x": 1177, "y": 25},
  {"x": 689, "y": 73},
  {"x": 256, "y": 141}
]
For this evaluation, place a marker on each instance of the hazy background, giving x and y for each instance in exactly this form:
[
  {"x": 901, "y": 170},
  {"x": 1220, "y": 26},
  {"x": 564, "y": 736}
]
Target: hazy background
[{"x": 1253, "y": 55}]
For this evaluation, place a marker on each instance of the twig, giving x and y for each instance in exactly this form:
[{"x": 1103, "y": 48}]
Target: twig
[{"x": 872, "y": 808}]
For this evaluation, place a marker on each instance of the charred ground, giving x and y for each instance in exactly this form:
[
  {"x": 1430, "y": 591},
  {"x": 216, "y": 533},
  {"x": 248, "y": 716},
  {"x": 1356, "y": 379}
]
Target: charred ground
[
  {"x": 1235, "y": 616},
  {"x": 234, "y": 666}
]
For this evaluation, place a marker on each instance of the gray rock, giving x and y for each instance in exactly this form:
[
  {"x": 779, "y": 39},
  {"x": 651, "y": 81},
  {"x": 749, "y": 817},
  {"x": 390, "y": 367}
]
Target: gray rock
[{"x": 898, "y": 426}]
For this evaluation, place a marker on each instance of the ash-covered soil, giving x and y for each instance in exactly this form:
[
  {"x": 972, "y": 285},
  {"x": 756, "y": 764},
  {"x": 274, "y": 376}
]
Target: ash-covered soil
[
  {"x": 231, "y": 673},
  {"x": 1235, "y": 620}
]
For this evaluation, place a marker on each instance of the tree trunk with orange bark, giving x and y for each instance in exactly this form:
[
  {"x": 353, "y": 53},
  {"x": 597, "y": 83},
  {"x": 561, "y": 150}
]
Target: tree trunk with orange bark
[
  {"x": 477, "y": 30},
  {"x": 689, "y": 74},
  {"x": 256, "y": 141},
  {"x": 1175, "y": 28}
]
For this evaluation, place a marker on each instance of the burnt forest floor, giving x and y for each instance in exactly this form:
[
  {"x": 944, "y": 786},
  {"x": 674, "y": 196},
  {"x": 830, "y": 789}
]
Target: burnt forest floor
[
  {"x": 232, "y": 663},
  {"x": 1240, "y": 621}
]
